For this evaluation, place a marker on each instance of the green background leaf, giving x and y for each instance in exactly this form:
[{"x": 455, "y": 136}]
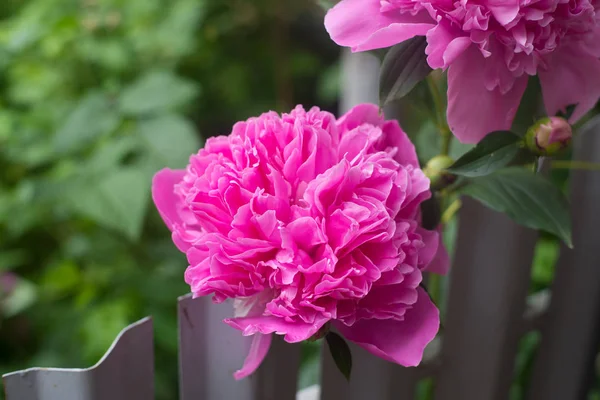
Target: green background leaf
[
  {"x": 157, "y": 90},
  {"x": 530, "y": 199},
  {"x": 93, "y": 117},
  {"x": 118, "y": 201},
  {"x": 403, "y": 67},
  {"x": 170, "y": 140},
  {"x": 494, "y": 151}
]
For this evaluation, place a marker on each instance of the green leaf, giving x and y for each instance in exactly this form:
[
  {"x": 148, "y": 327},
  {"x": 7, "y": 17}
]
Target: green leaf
[
  {"x": 529, "y": 199},
  {"x": 101, "y": 325},
  {"x": 92, "y": 118},
  {"x": 170, "y": 140},
  {"x": 61, "y": 279},
  {"x": 340, "y": 352},
  {"x": 403, "y": 67},
  {"x": 495, "y": 151},
  {"x": 117, "y": 200},
  {"x": 157, "y": 91},
  {"x": 544, "y": 261},
  {"x": 21, "y": 297},
  {"x": 327, "y": 4}
]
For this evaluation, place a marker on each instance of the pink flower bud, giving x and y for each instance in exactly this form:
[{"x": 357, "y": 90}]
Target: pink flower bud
[{"x": 549, "y": 135}]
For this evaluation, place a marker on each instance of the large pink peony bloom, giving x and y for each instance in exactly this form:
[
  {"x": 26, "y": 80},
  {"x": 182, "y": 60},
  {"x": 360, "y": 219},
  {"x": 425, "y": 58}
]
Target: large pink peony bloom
[
  {"x": 304, "y": 220},
  {"x": 490, "y": 48}
]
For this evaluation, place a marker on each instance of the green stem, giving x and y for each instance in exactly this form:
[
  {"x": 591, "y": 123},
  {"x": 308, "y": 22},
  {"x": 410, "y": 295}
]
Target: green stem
[
  {"x": 536, "y": 165},
  {"x": 440, "y": 112},
  {"x": 437, "y": 100},
  {"x": 446, "y": 140},
  {"x": 575, "y": 165},
  {"x": 451, "y": 211}
]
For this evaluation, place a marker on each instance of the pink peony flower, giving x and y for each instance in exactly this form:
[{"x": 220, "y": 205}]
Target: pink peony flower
[
  {"x": 490, "y": 48},
  {"x": 303, "y": 221}
]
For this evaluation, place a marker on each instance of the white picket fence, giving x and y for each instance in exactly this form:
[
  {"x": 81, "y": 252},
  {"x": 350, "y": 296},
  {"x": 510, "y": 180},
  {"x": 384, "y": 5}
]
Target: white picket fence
[{"x": 488, "y": 311}]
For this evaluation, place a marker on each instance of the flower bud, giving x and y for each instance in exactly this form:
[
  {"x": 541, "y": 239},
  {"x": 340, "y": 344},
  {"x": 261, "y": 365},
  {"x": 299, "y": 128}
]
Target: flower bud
[
  {"x": 435, "y": 170},
  {"x": 548, "y": 136}
]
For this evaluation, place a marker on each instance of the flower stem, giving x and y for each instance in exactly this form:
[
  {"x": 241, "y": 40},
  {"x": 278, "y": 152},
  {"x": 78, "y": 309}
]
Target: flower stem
[
  {"x": 451, "y": 211},
  {"x": 575, "y": 165},
  {"x": 440, "y": 112}
]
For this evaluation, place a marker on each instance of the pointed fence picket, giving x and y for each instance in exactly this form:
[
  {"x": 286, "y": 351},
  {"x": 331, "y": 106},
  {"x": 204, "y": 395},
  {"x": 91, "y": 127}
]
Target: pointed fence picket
[{"x": 488, "y": 311}]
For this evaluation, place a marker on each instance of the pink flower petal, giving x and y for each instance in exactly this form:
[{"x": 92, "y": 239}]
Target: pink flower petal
[
  {"x": 444, "y": 44},
  {"x": 572, "y": 77},
  {"x": 394, "y": 137},
  {"x": 294, "y": 331},
  {"x": 441, "y": 262},
  {"x": 455, "y": 48},
  {"x": 432, "y": 242},
  {"x": 361, "y": 114},
  {"x": 402, "y": 342},
  {"x": 361, "y": 25},
  {"x": 163, "y": 194},
  {"x": 504, "y": 11},
  {"x": 258, "y": 351},
  {"x": 473, "y": 110}
]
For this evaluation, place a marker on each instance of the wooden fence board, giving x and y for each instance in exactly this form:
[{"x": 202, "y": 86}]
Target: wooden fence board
[
  {"x": 211, "y": 351},
  {"x": 125, "y": 372},
  {"x": 571, "y": 331},
  {"x": 489, "y": 281}
]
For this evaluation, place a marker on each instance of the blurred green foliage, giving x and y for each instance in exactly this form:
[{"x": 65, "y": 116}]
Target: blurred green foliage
[{"x": 95, "y": 97}]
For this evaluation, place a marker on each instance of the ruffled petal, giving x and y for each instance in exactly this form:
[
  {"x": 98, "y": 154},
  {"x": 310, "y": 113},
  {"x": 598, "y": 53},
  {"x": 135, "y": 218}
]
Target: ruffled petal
[
  {"x": 402, "y": 342},
  {"x": 572, "y": 77},
  {"x": 441, "y": 262},
  {"x": 431, "y": 239},
  {"x": 473, "y": 110},
  {"x": 365, "y": 113},
  {"x": 361, "y": 25},
  {"x": 258, "y": 351},
  {"x": 295, "y": 331},
  {"x": 393, "y": 137},
  {"x": 444, "y": 45}
]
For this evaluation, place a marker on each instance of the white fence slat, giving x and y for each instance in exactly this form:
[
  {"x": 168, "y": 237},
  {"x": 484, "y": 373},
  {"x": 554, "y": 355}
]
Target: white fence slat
[
  {"x": 489, "y": 281},
  {"x": 125, "y": 372},
  {"x": 277, "y": 377},
  {"x": 211, "y": 351},
  {"x": 359, "y": 79},
  {"x": 570, "y": 333},
  {"x": 371, "y": 378}
]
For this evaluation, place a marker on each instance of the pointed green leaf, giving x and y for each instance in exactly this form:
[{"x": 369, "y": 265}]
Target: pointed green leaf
[
  {"x": 529, "y": 199},
  {"x": 22, "y": 296},
  {"x": 170, "y": 140},
  {"x": 403, "y": 67},
  {"x": 495, "y": 151},
  {"x": 156, "y": 91},
  {"x": 93, "y": 117},
  {"x": 118, "y": 200},
  {"x": 340, "y": 352}
]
